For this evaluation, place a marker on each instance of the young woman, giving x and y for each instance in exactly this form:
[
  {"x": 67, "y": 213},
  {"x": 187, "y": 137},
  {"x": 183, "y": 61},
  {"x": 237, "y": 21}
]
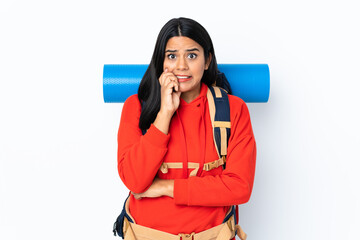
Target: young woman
[{"x": 166, "y": 130}]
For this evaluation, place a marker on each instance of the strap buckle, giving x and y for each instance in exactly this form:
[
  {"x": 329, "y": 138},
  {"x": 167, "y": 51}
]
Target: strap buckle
[
  {"x": 184, "y": 236},
  {"x": 211, "y": 165},
  {"x": 215, "y": 164}
]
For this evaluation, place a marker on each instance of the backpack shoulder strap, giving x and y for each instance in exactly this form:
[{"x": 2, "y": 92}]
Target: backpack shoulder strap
[
  {"x": 219, "y": 108},
  {"x": 220, "y": 118}
]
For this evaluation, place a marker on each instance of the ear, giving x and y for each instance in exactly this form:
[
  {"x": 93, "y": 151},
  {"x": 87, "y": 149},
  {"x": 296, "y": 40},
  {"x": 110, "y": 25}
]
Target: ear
[{"x": 208, "y": 61}]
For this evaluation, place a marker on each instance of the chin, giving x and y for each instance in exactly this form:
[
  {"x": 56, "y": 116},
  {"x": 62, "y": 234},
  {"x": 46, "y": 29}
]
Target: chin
[{"x": 182, "y": 89}]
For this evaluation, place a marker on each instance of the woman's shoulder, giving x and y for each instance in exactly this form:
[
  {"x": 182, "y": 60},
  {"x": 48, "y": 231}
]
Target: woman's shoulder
[
  {"x": 238, "y": 109},
  {"x": 132, "y": 100},
  {"x": 236, "y": 103},
  {"x": 132, "y": 105}
]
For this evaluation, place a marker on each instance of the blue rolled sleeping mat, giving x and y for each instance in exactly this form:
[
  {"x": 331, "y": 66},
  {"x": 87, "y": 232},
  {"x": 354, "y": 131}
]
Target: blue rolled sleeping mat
[{"x": 250, "y": 82}]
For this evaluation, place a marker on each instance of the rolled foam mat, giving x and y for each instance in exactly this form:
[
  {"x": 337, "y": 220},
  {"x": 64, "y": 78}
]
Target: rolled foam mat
[{"x": 250, "y": 82}]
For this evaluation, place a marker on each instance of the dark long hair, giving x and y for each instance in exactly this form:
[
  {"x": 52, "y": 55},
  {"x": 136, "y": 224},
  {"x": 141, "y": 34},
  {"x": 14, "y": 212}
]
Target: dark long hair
[{"x": 149, "y": 89}]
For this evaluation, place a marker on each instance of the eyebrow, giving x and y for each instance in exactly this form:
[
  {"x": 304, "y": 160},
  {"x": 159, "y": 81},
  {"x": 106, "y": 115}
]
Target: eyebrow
[{"x": 188, "y": 50}]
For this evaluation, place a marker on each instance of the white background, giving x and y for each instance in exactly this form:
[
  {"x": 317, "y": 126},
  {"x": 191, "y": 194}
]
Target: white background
[{"x": 58, "y": 169}]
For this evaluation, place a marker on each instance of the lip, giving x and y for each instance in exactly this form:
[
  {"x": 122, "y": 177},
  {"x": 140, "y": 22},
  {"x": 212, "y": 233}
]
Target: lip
[{"x": 183, "y": 78}]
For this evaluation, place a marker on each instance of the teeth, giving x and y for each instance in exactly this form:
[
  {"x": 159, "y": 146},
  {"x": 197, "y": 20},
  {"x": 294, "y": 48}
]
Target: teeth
[{"x": 182, "y": 77}]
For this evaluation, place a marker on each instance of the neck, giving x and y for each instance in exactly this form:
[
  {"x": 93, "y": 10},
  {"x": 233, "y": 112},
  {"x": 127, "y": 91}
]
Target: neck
[{"x": 190, "y": 96}]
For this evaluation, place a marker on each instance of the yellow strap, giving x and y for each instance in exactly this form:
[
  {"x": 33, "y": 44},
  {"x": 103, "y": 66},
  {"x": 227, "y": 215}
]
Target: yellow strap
[
  {"x": 241, "y": 234},
  {"x": 220, "y": 232},
  {"x": 225, "y": 231},
  {"x": 164, "y": 168},
  {"x": 212, "y": 110},
  {"x": 211, "y": 233},
  {"x": 128, "y": 231},
  {"x": 217, "y": 92},
  {"x": 145, "y": 233},
  {"x": 222, "y": 124},
  {"x": 184, "y": 236},
  {"x": 223, "y": 136},
  {"x": 215, "y": 164},
  {"x": 196, "y": 168}
]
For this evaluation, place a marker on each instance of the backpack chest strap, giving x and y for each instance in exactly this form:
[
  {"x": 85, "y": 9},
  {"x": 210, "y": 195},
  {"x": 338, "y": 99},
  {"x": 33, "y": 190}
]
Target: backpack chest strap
[{"x": 165, "y": 166}]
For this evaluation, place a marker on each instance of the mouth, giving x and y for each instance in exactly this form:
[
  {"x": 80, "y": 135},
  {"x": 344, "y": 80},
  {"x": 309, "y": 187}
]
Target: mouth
[{"x": 183, "y": 78}]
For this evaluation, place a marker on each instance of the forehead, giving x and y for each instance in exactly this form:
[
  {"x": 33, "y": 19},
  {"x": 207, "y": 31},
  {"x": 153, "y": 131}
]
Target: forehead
[{"x": 182, "y": 43}]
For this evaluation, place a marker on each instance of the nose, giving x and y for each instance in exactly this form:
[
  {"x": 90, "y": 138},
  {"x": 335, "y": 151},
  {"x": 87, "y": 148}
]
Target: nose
[{"x": 181, "y": 64}]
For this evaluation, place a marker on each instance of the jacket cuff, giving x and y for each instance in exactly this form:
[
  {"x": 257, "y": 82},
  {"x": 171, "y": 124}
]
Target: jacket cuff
[
  {"x": 181, "y": 192},
  {"x": 157, "y": 137}
]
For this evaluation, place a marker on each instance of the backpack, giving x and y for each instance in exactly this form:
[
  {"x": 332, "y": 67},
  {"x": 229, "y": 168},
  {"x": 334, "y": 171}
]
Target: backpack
[{"x": 219, "y": 109}]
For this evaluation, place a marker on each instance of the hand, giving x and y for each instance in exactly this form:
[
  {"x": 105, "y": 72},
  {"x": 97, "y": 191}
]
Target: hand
[
  {"x": 159, "y": 187},
  {"x": 170, "y": 100},
  {"x": 170, "y": 95}
]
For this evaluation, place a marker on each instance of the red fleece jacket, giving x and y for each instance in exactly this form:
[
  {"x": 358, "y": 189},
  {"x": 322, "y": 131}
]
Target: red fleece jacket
[{"x": 199, "y": 202}]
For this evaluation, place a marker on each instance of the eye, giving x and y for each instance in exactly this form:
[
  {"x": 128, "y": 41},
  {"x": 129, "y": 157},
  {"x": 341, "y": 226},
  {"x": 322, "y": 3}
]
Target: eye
[
  {"x": 171, "y": 56},
  {"x": 192, "y": 55}
]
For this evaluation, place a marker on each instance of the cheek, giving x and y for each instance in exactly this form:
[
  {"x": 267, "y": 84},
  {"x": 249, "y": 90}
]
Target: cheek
[
  {"x": 200, "y": 69},
  {"x": 170, "y": 66}
]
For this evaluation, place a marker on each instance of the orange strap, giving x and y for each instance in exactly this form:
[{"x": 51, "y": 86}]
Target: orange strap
[
  {"x": 225, "y": 231},
  {"x": 165, "y": 166}
]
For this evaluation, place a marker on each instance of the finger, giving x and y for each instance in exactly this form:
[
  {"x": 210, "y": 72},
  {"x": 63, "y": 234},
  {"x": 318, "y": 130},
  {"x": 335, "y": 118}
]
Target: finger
[
  {"x": 171, "y": 75},
  {"x": 173, "y": 79},
  {"x": 172, "y": 84},
  {"x": 164, "y": 78},
  {"x": 169, "y": 83},
  {"x": 175, "y": 85}
]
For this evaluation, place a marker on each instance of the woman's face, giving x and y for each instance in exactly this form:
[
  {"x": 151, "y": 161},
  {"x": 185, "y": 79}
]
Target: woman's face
[{"x": 186, "y": 60}]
